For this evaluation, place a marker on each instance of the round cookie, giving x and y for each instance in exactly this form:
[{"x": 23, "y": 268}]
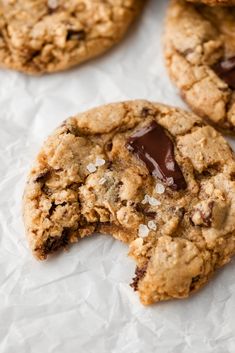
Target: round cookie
[
  {"x": 155, "y": 177},
  {"x": 215, "y": 2},
  {"x": 200, "y": 57},
  {"x": 38, "y": 36}
]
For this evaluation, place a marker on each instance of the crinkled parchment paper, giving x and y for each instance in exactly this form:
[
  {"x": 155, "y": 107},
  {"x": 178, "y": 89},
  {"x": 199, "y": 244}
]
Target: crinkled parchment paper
[{"x": 80, "y": 301}]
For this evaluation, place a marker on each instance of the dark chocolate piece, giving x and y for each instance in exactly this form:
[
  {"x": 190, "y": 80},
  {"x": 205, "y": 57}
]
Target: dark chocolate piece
[
  {"x": 225, "y": 69},
  {"x": 154, "y": 147}
]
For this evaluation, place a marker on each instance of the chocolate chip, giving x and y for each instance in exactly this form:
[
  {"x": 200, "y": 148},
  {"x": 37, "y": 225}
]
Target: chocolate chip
[
  {"x": 139, "y": 274},
  {"x": 42, "y": 177},
  {"x": 155, "y": 148},
  {"x": 76, "y": 35},
  {"x": 225, "y": 69}
]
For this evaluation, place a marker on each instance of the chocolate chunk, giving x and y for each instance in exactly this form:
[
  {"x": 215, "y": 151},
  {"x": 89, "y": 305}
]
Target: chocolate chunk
[
  {"x": 139, "y": 274},
  {"x": 225, "y": 69},
  {"x": 78, "y": 35},
  {"x": 154, "y": 147}
]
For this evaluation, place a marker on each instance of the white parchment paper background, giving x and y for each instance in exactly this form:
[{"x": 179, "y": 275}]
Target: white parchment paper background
[{"x": 81, "y": 301}]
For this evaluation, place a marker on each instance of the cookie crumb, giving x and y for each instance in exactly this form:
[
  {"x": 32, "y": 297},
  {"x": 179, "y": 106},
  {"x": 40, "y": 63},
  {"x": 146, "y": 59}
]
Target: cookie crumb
[
  {"x": 91, "y": 168},
  {"x": 152, "y": 225},
  {"x": 99, "y": 162},
  {"x": 143, "y": 231},
  {"x": 160, "y": 189}
]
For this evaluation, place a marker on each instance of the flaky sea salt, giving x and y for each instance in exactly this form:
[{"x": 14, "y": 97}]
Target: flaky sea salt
[
  {"x": 160, "y": 189},
  {"x": 146, "y": 199},
  {"x": 152, "y": 225},
  {"x": 143, "y": 231},
  {"x": 91, "y": 168},
  {"x": 99, "y": 162},
  {"x": 154, "y": 202},
  {"x": 102, "y": 181}
]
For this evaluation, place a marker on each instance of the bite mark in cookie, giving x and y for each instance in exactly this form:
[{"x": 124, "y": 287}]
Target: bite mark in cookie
[{"x": 155, "y": 148}]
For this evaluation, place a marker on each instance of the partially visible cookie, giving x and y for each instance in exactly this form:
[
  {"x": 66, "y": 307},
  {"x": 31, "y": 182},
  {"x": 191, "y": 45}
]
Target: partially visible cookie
[
  {"x": 38, "y": 36},
  {"x": 215, "y": 2},
  {"x": 200, "y": 57},
  {"x": 155, "y": 177}
]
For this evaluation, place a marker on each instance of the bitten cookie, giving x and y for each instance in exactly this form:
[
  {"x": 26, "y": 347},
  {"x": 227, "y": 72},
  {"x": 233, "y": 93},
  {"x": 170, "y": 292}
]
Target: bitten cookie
[
  {"x": 52, "y": 35},
  {"x": 200, "y": 57},
  {"x": 155, "y": 177}
]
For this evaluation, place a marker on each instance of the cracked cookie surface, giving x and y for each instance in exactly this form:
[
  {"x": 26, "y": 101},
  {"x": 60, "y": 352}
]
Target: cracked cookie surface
[
  {"x": 200, "y": 57},
  {"x": 38, "y": 36},
  {"x": 155, "y": 177}
]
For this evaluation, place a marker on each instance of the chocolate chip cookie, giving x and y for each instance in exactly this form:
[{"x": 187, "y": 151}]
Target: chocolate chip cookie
[
  {"x": 200, "y": 57},
  {"x": 155, "y": 177},
  {"x": 38, "y": 36}
]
